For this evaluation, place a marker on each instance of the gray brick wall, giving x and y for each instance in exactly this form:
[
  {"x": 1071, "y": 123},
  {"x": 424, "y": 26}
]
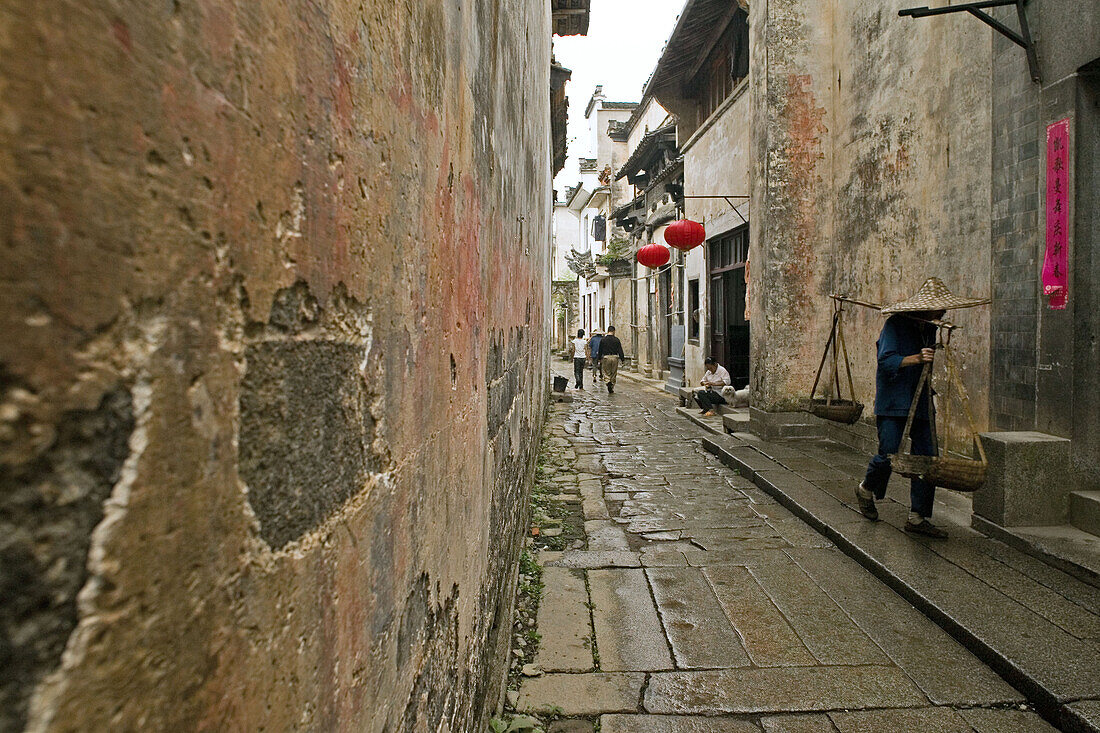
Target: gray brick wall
[{"x": 1015, "y": 233}]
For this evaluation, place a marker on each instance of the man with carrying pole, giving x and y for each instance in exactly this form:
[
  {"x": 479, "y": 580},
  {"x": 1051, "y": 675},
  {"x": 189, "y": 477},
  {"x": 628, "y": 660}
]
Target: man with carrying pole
[{"x": 905, "y": 346}]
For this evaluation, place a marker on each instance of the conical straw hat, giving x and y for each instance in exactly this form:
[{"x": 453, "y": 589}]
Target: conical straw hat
[{"x": 933, "y": 296}]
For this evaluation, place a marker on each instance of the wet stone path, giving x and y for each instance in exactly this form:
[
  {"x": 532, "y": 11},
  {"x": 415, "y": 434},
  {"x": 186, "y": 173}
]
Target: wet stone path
[{"x": 694, "y": 602}]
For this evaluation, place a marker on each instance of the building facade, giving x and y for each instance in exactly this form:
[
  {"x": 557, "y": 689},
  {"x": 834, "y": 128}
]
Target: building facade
[
  {"x": 600, "y": 259},
  {"x": 653, "y": 172},
  {"x": 702, "y": 78},
  {"x": 1044, "y": 361},
  {"x": 887, "y": 149}
]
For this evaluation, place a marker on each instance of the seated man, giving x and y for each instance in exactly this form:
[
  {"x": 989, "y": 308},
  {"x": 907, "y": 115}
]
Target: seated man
[{"x": 714, "y": 379}]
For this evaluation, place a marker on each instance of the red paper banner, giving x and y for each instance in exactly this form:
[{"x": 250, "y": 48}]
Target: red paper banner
[{"x": 1056, "y": 263}]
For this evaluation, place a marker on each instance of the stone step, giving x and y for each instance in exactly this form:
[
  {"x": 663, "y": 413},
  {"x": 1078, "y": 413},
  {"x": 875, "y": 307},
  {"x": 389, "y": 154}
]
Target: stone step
[
  {"x": 799, "y": 430},
  {"x": 980, "y": 591},
  {"x": 1084, "y": 511}
]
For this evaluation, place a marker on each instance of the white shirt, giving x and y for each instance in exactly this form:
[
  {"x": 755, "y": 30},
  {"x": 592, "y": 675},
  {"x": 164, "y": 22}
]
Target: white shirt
[
  {"x": 718, "y": 378},
  {"x": 578, "y": 347}
]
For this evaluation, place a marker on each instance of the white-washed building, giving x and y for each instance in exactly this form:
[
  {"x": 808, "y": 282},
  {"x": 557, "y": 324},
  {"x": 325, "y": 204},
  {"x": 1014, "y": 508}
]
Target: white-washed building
[{"x": 702, "y": 78}]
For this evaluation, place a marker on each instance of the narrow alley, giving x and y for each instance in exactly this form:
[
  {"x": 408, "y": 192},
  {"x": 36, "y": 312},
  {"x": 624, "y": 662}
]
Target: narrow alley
[
  {"x": 695, "y": 602},
  {"x": 286, "y": 287}
]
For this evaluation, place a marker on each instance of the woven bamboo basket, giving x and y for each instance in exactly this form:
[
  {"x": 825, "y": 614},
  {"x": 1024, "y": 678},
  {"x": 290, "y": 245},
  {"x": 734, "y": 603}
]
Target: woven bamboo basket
[
  {"x": 960, "y": 474},
  {"x": 835, "y": 408},
  {"x": 843, "y": 411}
]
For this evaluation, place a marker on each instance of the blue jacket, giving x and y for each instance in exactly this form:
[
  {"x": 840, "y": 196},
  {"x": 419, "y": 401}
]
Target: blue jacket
[
  {"x": 594, "y": 346},
  {"x": 895, "y": 384}
]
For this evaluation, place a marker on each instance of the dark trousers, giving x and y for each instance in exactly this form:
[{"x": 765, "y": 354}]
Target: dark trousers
[
  {"x": 578, "y": 371},
  {"x": 921, "y": 493},
  {"x": 709, "y": 399}
]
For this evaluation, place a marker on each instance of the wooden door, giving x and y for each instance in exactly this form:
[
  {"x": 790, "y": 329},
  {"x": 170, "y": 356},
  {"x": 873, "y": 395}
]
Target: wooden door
[{"x": 729, "y": 331}]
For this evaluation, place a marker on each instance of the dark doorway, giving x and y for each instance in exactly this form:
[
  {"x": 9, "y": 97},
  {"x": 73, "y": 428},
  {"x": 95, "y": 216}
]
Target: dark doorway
[
  {"x": 662, "y": 319},
  {"x": 729, "y": 331}
]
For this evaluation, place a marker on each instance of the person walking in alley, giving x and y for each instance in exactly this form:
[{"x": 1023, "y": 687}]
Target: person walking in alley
[
  {"x": 578, "y": 347},
  {"x": 714, "y": 379},
  {"x": 594, "y": 349},
  {"x": 610, "y": 354},
  {"x": 905, "y": 345}
]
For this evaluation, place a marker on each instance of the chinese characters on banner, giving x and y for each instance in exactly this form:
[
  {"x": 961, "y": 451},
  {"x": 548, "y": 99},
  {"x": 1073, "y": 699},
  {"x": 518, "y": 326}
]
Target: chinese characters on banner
[{"x": 1056, "y": 263}]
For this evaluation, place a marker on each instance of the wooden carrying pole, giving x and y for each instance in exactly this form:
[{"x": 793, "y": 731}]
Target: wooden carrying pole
[{"x": 937, "y": 322}]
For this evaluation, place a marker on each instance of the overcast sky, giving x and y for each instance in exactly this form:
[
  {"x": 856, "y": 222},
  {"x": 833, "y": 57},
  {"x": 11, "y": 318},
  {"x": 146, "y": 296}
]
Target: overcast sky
[{"x": 624, "y": 41}]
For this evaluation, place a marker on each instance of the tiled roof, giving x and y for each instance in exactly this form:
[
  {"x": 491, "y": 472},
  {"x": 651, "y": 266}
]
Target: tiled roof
[
  {"x": 695, "y": 31},
  {"x": 646, "y": 147}
]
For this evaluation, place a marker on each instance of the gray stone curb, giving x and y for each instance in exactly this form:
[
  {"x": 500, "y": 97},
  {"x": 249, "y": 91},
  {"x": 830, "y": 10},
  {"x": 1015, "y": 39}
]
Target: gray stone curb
[{"x": 829, "y": 517}]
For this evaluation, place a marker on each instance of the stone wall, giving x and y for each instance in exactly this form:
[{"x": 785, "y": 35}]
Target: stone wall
[
  {"x": 871, "y": 138},
  {"x": 273, "y": 366}
]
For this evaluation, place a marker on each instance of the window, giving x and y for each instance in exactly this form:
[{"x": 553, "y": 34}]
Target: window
[
  {"x": 726, "y": 67},
  {"x": 693, "y": 304},
  {"x": 602, "y": 326},
  {"x": 730, "y": 250}
]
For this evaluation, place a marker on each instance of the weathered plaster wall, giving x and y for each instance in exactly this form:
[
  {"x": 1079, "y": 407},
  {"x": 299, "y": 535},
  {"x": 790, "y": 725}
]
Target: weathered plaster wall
[
  {"x": 273, "y": 368},
  {"x": 566, "y": 237},
  {"x": 717, "y": 162},
  {"x": 872, "y": 138},
  {"x": 649, "y": 119}
]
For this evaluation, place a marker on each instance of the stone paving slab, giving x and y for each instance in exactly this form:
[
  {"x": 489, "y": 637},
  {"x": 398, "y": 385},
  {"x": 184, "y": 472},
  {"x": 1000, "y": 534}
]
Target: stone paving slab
[
  {"x": 717, "y": 542},
  {"x": 823, "y": 627},
  {"x": 968, "y": 552},
  {"x": 628, "y": 633},
  {"x": 564, "y": 608},
  {"x": 925, "y": 720},
  {"x": 769, "y": 638},
  {"x": 705, "y": 546},
  {"x": 780, "y": 689},
  {"x": 594, "y": 508},
  {"x": 746, "y": 460},
  {"x": 1040, "y": 658},
  {"x": 1031, "y": 647},
  {"x": 674, "y": 724},
  {"x": 814, "y": 723},
  {"x": 1086, "y": 713},
  {"x": 738, "y": 555},
  {"x": 588, "y": 559},
  {"x": 697, "y": 629},
  {"x": 665, "y": 554},
  {"x": 1005, "y": 721},
  {"x": 798, "y": 533},
  {"x": 732, "y": 526},
  {"x": 944, "y": 671},
  {"x": 603, "y": 534},
  {"x": 581, "y": 694}
]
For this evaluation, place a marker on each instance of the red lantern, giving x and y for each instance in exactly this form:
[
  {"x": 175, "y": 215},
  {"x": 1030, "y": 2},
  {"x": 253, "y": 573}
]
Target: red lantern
[
  {"x": 685, "y": 234},
  {"x": 653, "y": 255}
]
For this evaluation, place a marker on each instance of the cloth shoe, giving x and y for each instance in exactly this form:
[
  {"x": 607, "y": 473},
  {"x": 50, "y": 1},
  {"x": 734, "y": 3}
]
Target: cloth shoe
[
  {"x": 925, "y": 528},
  {"x": 610, "y": 388},
  {"x": 866, "y": 503}
]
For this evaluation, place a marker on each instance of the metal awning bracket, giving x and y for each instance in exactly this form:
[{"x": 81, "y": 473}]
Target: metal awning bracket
[
  {"x": 726, "y": 198},
  {"x": 1023, "y": 38}
]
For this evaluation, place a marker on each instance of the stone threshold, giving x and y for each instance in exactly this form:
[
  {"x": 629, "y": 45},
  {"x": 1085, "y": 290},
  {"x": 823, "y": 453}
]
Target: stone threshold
[
  {"x": 1057, "y": 672},
  {"x": 1067, "y": 548}
]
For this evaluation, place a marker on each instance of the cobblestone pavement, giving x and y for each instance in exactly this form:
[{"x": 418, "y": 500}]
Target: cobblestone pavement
[{"x": 697, "y": 603}]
